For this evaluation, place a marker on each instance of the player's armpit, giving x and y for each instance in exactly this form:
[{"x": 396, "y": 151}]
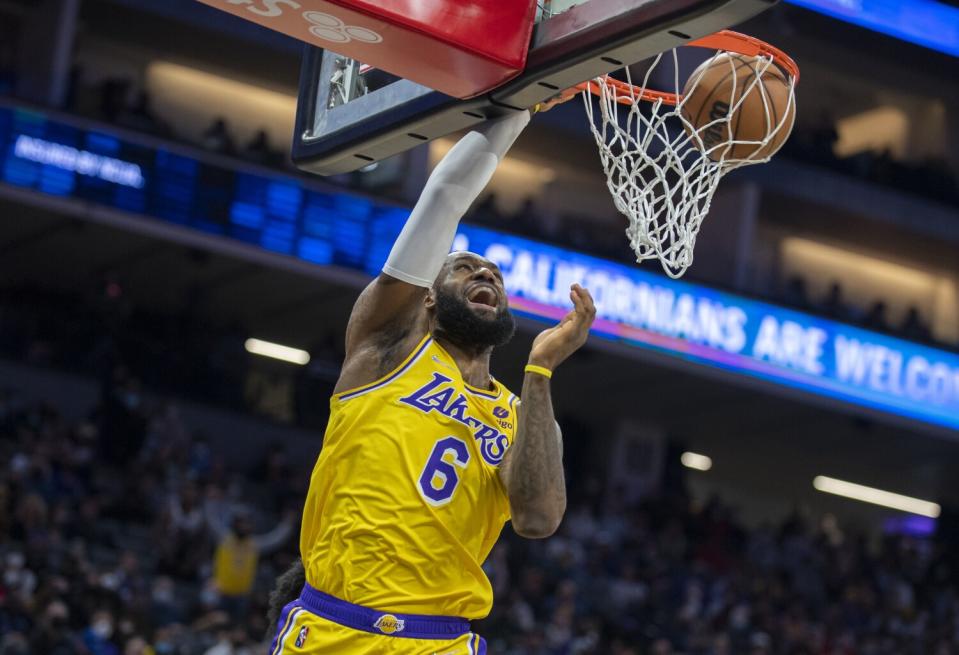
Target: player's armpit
[{"x": 386, "y": 323}]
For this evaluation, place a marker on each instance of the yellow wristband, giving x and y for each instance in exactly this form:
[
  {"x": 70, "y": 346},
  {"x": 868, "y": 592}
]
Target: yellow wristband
[{"x": 532, "y": 368}]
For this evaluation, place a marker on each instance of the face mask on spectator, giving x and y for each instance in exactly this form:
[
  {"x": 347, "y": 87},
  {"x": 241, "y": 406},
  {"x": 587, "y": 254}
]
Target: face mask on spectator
[
  {"x": 739, "y": 617},
  {"x": 14, "y": 573},
  {"x": 162, "y": 595},
  {"x": 209, "y": 597},
  {"x": 19, "y": 463},
  {"x": 102, "y": 628},
  {"x": 109, "y": 581}
]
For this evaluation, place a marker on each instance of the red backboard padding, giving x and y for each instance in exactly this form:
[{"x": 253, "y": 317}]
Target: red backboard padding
[{"x": 460, "y": 47}]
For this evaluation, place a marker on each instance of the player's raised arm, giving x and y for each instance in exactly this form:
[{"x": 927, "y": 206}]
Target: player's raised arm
[
  {"x": 385, "y": 311},
  {"x": 532, "y": 469}
]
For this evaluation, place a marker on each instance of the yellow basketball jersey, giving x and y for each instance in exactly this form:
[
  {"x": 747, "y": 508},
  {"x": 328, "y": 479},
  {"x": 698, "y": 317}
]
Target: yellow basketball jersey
[{"x": 405, "y": 502}]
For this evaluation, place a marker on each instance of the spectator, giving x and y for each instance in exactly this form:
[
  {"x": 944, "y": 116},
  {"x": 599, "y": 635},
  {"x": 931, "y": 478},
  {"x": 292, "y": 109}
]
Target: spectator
[
  {"x": 913, "y": 328},
  {"x": 875, "y": 318},
  {"x": 113, "y": 98},
  {"x": 185, "y": 535},
  {"x": 824, "y": 137},
  {"x": 833, "y": 305},
  {"x": 164, "y": 607},
  {"x": 237, "y": 557},
  {"x": 137, "y": 645},
  {"x": 486, "y": 211},
  {"x": 259, "y": 150},
  {"x": 140, "y": 116},
  {"x": 217, "y": 138},
  {"x": 97, "y": 636},
  {"x": 51, "y": 633},
  {"x": 796, "y": 294}
]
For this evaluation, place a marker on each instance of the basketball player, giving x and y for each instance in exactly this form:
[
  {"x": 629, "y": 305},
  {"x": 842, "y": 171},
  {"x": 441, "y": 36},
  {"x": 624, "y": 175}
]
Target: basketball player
[{"x": 426, "y": 455}]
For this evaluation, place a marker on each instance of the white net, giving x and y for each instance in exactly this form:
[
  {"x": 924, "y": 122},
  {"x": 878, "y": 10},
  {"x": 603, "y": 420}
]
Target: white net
[{"x": 661, "y": 170}]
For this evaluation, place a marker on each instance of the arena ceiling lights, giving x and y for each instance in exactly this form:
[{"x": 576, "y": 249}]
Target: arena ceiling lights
[
  {"x": 696, "y": 461},
  {"x": 277, "y": 351},
  {"x": 876, "y": 496}
]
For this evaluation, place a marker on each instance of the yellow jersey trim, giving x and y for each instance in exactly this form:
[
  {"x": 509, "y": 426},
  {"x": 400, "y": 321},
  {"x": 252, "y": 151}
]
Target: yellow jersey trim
[{"x": 389, "y": 377}]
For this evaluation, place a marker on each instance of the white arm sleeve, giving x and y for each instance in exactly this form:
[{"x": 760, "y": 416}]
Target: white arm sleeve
[{"x": 419, "y": 251}]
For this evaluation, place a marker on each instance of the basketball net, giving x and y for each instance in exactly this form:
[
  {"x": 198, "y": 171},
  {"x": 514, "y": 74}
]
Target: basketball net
[{"x": 658, "y": 168}]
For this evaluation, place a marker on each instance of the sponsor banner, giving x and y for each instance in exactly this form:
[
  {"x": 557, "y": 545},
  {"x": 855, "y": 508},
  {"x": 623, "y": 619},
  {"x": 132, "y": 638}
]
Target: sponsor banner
[{"x": 727, "y": 331}]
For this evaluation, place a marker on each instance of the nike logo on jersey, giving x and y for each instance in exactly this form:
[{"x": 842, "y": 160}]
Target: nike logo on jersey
[{"x": 440, "y": 395}]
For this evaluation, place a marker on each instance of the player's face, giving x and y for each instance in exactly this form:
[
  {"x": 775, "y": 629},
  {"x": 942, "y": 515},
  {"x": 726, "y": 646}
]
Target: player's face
[{"x": 471, "y": 304}]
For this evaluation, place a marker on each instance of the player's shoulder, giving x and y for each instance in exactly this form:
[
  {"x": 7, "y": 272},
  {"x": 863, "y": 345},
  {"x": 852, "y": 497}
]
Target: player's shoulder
[{"x": 380, "y": 355}]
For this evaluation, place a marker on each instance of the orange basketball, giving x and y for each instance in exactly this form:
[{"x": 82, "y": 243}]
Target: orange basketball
[{"x": 723, "y": 103}]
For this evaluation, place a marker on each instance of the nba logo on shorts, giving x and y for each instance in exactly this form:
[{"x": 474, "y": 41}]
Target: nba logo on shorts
[
  {"x": 388, "y": 624},
  {"x": 301, "y": 638}
]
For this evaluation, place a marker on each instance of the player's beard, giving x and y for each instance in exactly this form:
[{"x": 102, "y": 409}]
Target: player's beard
[{"x": 466, "y": 328}]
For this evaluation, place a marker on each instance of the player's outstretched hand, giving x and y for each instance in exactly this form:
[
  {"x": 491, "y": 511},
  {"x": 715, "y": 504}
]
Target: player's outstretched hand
[{"x": 551, "y": 347}]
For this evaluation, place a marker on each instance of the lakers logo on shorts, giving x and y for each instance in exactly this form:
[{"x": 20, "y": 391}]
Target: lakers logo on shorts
[
  {"x": 388, "y": 624},
  {"x": 301, "y": 638}
]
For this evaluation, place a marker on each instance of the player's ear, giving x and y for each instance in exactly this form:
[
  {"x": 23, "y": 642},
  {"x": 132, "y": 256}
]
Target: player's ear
[{"x": 429, "y": 301}]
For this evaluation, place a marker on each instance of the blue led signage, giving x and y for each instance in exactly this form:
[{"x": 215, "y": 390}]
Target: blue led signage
[
  {"x": 689, "y": 321},
  {"x": 928, "y": 23},
  {"x": 729, "y": 332}
]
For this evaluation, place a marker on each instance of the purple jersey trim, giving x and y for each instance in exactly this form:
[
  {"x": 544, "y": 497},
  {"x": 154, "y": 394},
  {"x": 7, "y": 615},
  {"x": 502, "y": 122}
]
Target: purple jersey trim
[
  {"x": 492, "y": 395},
  {"x": 284, "y": 625},
  {"x": 415, "y": 626}
]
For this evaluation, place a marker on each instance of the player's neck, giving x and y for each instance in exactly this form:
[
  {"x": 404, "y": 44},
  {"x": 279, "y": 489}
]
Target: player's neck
[{"x": 472, "y": 363}]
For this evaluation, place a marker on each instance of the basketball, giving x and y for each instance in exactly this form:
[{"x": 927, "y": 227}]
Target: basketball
[{"x": 724, "y": 87}]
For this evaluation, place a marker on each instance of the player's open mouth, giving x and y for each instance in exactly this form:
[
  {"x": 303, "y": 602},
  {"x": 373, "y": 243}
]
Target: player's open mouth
[{"x": 483, "y": 295}]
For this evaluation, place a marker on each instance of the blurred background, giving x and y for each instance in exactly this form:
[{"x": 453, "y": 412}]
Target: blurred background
[{"x": 153, "y": 460}]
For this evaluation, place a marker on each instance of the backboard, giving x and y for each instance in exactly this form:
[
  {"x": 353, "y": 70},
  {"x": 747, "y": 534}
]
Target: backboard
[{"x": 349, "y": 117}]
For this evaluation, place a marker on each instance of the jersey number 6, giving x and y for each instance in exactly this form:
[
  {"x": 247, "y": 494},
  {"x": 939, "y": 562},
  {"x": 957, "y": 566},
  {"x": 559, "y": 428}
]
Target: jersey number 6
[{"x": 440, "y": 475}]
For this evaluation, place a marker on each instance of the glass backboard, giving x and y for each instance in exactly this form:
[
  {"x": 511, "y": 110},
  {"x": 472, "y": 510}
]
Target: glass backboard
[{"x": 349, "y": 117}]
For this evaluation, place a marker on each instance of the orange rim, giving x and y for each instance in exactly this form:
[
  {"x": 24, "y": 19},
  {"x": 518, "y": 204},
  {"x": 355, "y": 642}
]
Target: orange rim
[{"x": 627, "y": 94}]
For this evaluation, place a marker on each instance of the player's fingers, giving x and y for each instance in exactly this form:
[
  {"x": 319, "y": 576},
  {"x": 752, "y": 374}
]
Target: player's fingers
[
  {"x": 577, "y": 301},
  {"x": 577, "y": 317},
  {"x": 585, "y": 309},
  {"x": 580, "y": 300},
  {"x": 588, "y": 300}
]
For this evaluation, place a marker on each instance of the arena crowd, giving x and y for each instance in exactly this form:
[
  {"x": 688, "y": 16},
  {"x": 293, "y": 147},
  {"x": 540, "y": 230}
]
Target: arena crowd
[{"x": 124, "y": 533}]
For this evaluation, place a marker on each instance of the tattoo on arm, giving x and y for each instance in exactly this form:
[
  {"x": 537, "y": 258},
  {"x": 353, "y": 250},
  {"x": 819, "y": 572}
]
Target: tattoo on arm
[{"x": 533, "y": 473}]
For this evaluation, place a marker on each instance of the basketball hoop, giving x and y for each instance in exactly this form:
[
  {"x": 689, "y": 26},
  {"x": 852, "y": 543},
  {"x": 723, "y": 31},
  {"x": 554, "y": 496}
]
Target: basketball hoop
[{"x": 660, "y": 168}]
